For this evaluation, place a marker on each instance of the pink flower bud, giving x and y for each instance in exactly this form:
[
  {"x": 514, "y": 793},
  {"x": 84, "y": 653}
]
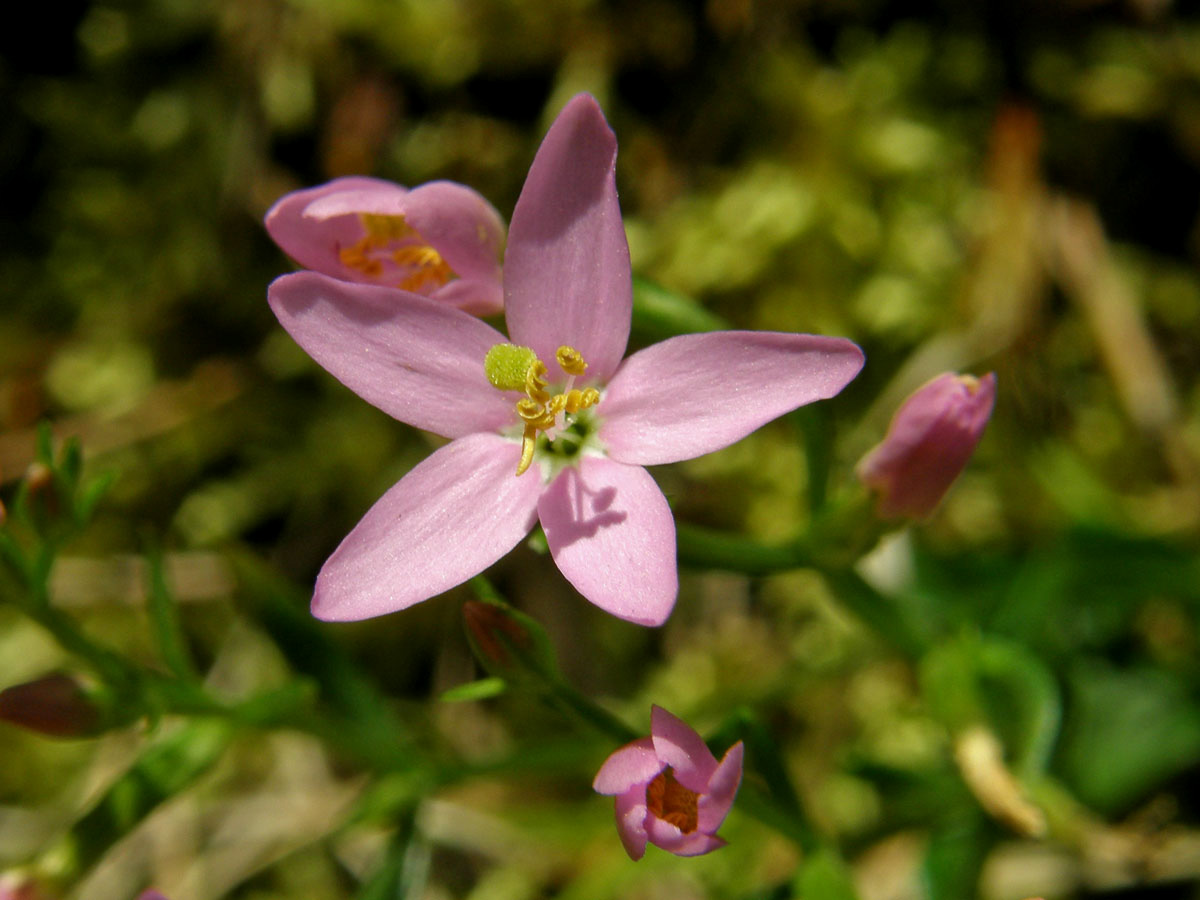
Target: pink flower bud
[
  {"x": 14, "y": 886},
  {"x": 931, "y": 437},
  {"x": 54, "y": 705}
]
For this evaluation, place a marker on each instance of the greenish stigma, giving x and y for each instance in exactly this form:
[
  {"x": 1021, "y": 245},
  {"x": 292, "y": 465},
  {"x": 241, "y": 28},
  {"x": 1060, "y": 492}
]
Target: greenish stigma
[{"x": 508, "y": 365}]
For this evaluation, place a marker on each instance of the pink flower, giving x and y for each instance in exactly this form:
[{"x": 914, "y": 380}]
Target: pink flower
[
  {"x": 670, "y": 789},
  {"x": 441, "y": 239},
  {"x": 584, "y": 430},
  {"x": 931, "y": 437}
]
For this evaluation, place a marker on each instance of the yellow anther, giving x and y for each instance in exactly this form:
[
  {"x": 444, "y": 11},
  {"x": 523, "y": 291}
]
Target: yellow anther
[
  {"x": 510, "y": 367},
  {"x": 570, "y": 360},
  {"x": 390, "y": 247},
  {"x": 417, "y": 255},
  {"x": 528, "y": 442},
  {"x": 535, "y": 382},
  {"x": 530, "y": 411},
  {"x": 385, "y": 228}
]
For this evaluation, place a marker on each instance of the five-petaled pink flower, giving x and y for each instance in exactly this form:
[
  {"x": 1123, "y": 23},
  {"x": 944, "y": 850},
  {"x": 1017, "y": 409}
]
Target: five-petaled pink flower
[
  {"x": 441, "y": 239},
  {"x": 558, "y": 401},
  {"x": 670, "y": 789},
  {"x": 930, "y": 440}
]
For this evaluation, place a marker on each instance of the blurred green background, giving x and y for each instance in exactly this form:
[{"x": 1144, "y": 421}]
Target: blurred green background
[{"x": 1007, "y": 186}]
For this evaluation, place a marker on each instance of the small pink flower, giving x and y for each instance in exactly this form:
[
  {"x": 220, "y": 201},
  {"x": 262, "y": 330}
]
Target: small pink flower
[
  {"x": 670, "y": 789},
  {"x": 929, "y": 442},
  {"x": 442, "y": 240},
  {"x": 565, "y": 446}
]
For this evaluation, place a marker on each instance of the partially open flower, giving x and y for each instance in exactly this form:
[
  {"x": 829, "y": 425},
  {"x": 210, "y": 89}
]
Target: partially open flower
[
  {"x": 670, "y": 789},
  {"x": 929, "y": 442},
  {"x": 441, "y": 239}
]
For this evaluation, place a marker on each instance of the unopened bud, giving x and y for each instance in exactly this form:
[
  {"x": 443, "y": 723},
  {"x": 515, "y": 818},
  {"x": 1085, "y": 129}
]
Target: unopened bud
[
  {"x": 16, "y": 886},
  {"x": 928, "y": 443},
  {"x": 508, "y": 643},
  {"x": 55, "y": 705}
]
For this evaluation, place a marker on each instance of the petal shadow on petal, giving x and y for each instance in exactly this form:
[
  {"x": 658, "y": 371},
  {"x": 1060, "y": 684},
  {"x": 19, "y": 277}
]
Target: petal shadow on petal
[
  {"x": 611, "y": 533},
  {"x": 589, "y": 510}
]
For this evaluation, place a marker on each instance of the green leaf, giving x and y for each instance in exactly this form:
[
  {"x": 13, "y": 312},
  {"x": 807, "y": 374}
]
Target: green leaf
[
  {"x": 1129, "y": 730},
  {"x": 483, "y": 689},
  {"x": 164, "y": 621},
  {"x": 824, "y": 876},
  {"x": 1022, "y": 702},
  {"x": 659, "y": 313},
  {"x": 955, "y": 855}
]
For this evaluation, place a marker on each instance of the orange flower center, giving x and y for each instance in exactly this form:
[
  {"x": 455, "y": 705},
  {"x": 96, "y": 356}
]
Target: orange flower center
[
  {"x": 391, "y": 248},
  {"x": 672, "y": 802}
]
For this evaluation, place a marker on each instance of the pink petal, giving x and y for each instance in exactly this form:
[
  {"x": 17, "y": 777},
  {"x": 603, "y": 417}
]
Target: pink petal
[
  {"x": 566, "y": 271},
  {"x": 479, "y": 297},
  {"x": 313, "y": 224},
  {"x": 679, "y": 746},
  {"x": 634, "y": 764},
  {"x": 670, "y": 838},
  {"x": 463, "y": 227},
  {"x": 415, "y": 359},
  {"x": 631, "y": 815},
  {"x": 451, "y": 517},
  {"x": 928, "y": 444},
  {"x": 716, "y": 801},
  {"x": 697, "y": 393},
  {"x": 612, "y": 534}
]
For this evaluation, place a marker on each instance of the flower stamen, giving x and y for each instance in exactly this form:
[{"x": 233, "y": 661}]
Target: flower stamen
[
  {"x": 672, "y": 802},
  {"x": 510, "y": 367},
  {"x": 389, "y": 244}
]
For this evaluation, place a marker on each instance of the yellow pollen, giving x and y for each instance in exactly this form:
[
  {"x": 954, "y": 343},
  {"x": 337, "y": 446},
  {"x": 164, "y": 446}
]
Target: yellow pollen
[
  {"x": 539, "y": 410},
  {"x": 392, "y": 248},
  {"x": 672, "y": 802}
]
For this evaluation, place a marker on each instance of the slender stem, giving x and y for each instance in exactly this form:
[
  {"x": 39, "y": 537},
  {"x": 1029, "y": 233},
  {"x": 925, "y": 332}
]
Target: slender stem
[
  {"x": 702, "y": 548},
  {"x": 756, "y": 802},
  {"x": 714, "y": 550},
  {"x": 565, "y": 698}
]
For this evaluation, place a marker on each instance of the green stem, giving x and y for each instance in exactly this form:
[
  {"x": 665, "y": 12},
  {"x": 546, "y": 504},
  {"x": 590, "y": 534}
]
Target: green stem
[
  {"x": 566, "y": 699},
  {"x": 702, "y": 548},
  {"x": 713, "y": 550},
  {"x": 753, "y": 801},
  {"x": 878, "y": 611}
]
